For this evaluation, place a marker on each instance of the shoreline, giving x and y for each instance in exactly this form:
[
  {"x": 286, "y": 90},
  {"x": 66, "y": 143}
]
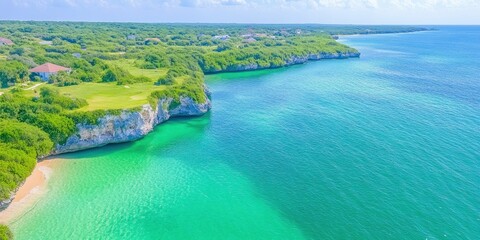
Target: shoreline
[
  {"x": 295, "y": 60},
  {"x": 346, "y": 36},
  {"x": 35, "y": 186},
  {"x": 127, "y": 127},
  {"x": 386, "y": 33},
  {"x": 30, "y": 193}
]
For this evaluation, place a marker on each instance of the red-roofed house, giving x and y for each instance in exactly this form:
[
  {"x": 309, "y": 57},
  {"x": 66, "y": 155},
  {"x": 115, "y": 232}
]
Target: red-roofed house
[
  {"x": 5, "y": 41},
  {"x": 48, "y": 69}
]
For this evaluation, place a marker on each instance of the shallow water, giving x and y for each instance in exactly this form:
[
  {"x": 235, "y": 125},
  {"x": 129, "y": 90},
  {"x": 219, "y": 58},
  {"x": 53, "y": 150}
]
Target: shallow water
[{"x": 382, "y": 147}]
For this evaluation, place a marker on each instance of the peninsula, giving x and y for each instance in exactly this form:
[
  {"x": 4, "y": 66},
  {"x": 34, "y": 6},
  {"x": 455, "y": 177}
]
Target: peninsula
[{"x": 72, "y": 86}]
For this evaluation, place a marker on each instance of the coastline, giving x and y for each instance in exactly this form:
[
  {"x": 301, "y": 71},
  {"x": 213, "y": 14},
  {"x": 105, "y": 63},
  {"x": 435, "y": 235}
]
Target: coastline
[
  {"x": 35, "y": 185},
  {"x": 128, "y": 126},
  {"x": 379, "y": 147},
  {"x": 342, "y": 37},
  {"x": 294, "y": 60},
  {"x": 31, "y": 191},
  {"x": 387, "y": 33}
]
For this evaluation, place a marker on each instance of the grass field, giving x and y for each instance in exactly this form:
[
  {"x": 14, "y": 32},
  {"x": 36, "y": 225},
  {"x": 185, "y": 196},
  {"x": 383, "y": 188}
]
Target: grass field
[
  {"x": 129, "y": 65},
  {"x": 111, "y": 95},
  {"x": 102, "y": 95}
]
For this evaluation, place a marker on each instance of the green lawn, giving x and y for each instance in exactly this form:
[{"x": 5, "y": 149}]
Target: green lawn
[
  {"x": 129, "y": 65},
  {"x": 111, "y": 95}
]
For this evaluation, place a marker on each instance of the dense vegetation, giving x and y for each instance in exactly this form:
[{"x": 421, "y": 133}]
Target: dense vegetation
[
  {"x": 28, "y": 129},
  {"x": 148, "y": 61},
  {"x": 5, "y": 233},
  {"x": 89, "y": 48}
]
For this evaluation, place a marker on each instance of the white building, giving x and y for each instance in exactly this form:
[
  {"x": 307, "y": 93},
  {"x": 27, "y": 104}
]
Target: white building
[{"x": 44, "y": 71}]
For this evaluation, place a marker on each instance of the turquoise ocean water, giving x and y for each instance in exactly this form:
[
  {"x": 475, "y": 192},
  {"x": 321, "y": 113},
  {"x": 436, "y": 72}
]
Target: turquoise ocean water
[{"x": 382, "y": 147}]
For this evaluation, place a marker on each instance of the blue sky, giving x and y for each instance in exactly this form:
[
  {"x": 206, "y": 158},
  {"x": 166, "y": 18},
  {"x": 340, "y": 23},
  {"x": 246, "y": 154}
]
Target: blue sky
[{"x": 248, "y": 11}]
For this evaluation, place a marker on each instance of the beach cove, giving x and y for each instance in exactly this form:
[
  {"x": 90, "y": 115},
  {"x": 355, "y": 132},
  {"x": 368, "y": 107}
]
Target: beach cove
[{"x": 31, "y": 191}]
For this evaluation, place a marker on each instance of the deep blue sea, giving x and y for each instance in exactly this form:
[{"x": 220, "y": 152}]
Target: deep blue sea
[{"x": 386, "y": 146}]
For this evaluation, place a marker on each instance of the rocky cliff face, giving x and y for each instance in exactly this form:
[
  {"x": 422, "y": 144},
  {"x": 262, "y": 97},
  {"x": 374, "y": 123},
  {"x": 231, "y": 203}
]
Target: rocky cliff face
[
  {"x": 292, "y": 61},
  {"x": 130, "y": 125},
  {"x": 6, "y": 202}
]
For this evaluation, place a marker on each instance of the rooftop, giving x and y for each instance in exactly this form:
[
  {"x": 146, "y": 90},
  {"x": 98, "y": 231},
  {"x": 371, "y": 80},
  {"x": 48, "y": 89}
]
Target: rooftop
[
  {"x": 49, "y": 67},
  {"x": 153, "y": 39},
  {"x": 6, "y": 41}
]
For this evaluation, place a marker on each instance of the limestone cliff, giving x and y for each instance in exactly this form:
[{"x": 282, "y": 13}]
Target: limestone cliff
[{"x": 129, "y": 125}]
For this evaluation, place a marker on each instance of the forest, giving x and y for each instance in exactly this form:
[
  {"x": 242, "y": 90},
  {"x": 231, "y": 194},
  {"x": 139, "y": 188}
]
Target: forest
[{"x": 116, "y": 61}]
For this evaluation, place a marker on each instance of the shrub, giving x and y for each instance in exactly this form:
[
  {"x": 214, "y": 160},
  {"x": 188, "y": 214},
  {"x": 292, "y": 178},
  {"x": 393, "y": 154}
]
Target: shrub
[
  {"x": 25, "y": 137},
  {"x": 117, "y": 74},
  {"x": 5, "y": 233},
  {"x": 20, "y": 145},
  {"x": 165, "y": 80},
  {"x": 12, "y": 72},
  {"x": 52, "y": 96},
  {"x": 109, "y": 76},
  {"x": 63, "y": 79}
]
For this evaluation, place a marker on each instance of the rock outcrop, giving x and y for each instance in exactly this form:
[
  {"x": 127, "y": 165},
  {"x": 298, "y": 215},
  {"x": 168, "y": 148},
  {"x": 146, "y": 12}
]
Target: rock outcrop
[
  {"x": 6, "y": 202},
  {"x": 130, "y": 125}
]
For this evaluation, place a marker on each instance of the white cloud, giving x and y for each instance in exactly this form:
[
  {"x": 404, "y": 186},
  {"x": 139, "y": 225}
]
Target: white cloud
[
  {"x": 207, "y": 3},
  {"x": 333, "y": 3},
  {"x": 434, "y": 3},
  {"x": 315, "y": 4},
  {"x": 46, "y": 3}
]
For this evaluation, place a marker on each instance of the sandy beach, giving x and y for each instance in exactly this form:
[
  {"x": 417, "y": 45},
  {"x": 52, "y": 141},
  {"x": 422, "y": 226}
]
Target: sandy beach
[{"x": 31, "y": 191}]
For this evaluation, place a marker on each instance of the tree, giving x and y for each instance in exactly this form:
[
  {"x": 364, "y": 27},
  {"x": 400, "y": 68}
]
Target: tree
[
  {"x": 109, "y": 76},
  {"x": 224, "y": 46},
  {"x": 17, "y": 51},
  {"x": 5, "y": 233},
  {"x": 12, "y": 72},
  {"x": 116, "y": 74},
  {"x": 167, "y": 80},
  {"x": 57, "y": 42},
  {"x": 24, "y": 136},
  {"x": 155, "y": 61},
  {"x": 62, "y": 79}
]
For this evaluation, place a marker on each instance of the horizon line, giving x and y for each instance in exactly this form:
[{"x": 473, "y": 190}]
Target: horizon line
[{"x": 236, "y": 23}]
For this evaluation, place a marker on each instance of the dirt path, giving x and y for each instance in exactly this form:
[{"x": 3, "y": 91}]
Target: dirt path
[{"x": 34, "y": 86}]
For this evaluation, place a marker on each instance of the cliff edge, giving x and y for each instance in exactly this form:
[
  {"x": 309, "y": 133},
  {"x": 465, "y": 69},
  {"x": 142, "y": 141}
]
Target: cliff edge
[{"x": 131, "y": 125}]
